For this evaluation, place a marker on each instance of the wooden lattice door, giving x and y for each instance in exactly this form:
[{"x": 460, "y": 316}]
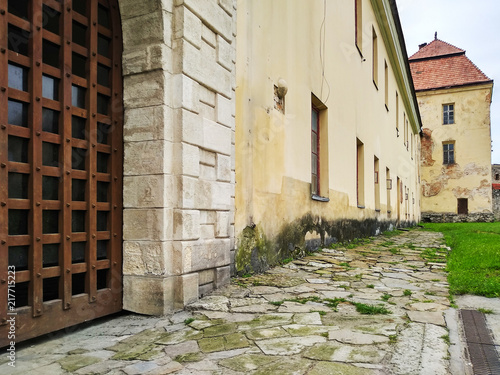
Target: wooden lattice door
[{"x": 60, "y": 164}]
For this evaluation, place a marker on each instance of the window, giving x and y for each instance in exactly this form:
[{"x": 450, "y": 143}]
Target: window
[
  {"x": 411, "y": 141},
  {"x": 319, "y": 150},
  {"x": 360, "y": 173},
  {"x": 497, "y": 176},
  {"x": 315, "y": 151},
  {"x": 375, "y": 57},
  {"x": 358, "y": 24},
  {"x": 397, "y": 114},
  {"x": 377, "y": 184},
  {"x": 448, "y": 153},
  {"x": 388, "y": 187},
  {"x": 386, "y": 85},
  {"x": 448, "y": 114}
]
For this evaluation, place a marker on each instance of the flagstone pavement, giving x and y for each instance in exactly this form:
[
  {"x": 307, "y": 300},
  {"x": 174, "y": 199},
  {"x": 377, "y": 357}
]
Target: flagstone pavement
[{"x": 374, "y": 307}]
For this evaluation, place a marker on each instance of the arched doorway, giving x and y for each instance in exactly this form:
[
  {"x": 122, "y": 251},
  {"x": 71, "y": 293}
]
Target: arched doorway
[{"x": 60, "y": 164}]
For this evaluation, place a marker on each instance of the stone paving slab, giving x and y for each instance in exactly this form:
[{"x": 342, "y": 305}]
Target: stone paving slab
[{"x": 374, "y": 309}]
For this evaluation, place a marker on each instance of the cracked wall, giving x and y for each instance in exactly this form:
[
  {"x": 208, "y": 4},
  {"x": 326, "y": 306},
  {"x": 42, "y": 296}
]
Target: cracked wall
[{"x": 470, "y": 176}]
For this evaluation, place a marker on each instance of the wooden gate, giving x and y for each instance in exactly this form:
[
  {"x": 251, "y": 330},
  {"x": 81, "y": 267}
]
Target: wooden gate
[{"x": 60, "y": 164}]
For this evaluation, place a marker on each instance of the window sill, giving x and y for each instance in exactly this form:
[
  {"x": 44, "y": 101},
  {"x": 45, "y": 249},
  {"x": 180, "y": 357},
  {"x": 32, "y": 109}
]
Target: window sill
[
  {"x": 361, "y": 206},
  {"x": 315, "y": 197}
]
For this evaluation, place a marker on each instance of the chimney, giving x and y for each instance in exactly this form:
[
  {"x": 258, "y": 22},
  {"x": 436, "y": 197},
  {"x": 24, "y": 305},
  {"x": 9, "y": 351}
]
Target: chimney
[{"x": 420, "y": 46}]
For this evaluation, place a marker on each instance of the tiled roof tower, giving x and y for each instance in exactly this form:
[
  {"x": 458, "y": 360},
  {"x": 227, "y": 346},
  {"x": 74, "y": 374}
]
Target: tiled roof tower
[{"x": 440, "y": 65}]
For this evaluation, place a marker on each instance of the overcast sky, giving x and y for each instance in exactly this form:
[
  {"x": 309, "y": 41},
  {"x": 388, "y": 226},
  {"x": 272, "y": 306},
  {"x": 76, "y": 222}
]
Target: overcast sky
[{"x": 470, "y": 25}]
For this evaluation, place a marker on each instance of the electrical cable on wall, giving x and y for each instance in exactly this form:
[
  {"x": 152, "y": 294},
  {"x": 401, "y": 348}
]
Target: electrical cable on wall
[{"x": 322, "y": 41}]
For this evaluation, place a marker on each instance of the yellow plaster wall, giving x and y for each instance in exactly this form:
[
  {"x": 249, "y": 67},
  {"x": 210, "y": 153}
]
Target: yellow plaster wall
[
  {"x": 284, "y": 39},
  {"x": 470, "y": 177}
]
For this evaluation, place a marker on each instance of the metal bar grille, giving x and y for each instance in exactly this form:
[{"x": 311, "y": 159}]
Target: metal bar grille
[
  {"x": 60, "y": 162},
  {"x": 482, "y": 350}
]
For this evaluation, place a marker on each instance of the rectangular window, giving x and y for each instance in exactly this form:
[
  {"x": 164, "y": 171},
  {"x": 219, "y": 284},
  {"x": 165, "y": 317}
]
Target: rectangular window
[
  {"x": 448, "y": 114},
  {"x": 386, "y": 84},
  {"x": 448, "y": 153},
  {"x": 397, "y": 114},
  {"x": 319, "y": 150},
  {"x": 360, "y": 173},
  {"x": 315, "y": 151},
  {"x": 358, "y": 24},
  {"x": 406, "y": 134},
  {"x": 377, "y": 184},
  {"x": 375, "y": 57},
  {"x": 411, "y": 142},
  {"x": 388, "y": 187}
]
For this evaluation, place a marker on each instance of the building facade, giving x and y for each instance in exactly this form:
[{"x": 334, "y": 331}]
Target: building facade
[
  {"x": 326, "y": 128},
  {"x": 125, "y": 127},
  {"x": 454, "y": 97}
]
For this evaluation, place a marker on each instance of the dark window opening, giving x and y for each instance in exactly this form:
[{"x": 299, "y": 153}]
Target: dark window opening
[
  {"x": 448, "y": 153},
  {"x": 448, "y": 114}
]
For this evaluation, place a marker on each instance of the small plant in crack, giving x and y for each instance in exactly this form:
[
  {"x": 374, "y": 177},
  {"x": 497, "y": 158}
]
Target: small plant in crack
[
  {"x": 385, "y": 297},
  {"x": 407, "y": 292},
  {"x": 485, "y": 311},
  {"x": 365, "y": 309}
]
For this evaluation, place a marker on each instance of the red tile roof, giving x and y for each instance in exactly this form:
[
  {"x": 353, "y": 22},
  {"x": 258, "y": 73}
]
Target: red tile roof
[
  {"x": 440, "y": 65},
  {"x": 436, "y": 48}
]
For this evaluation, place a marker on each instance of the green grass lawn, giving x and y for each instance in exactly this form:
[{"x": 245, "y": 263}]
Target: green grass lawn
[{"x": 473, "y": 265}]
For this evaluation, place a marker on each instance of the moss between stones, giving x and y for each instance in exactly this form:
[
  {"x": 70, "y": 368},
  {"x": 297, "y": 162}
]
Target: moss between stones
[
  {"x": 189, "y": 357},
  {"x": 235, "y": 341},
  {"x": 78, "y": 351},
  {"x": 285, "y": 366},
  {"x": 212, "y": 344},
  {"x": 219, "y": 330},
  {"x": 321, "y": 352},
  {"x": 333, "y": 368},
  {"x": 256, "y": 253},
  {"x": 178, "y": 336},
  {"x": 248, "y": 362},
  {"x": 143, "y": 352},
  {"x": 74, "y": 362}
]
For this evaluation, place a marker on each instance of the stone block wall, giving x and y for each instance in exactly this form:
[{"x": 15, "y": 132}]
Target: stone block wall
[
  {"x": 476, "y": 217},
  {"x": 179, "y": 168},
  {"x": 495, "y": 178},
  {"x": 496, "y": 204}
]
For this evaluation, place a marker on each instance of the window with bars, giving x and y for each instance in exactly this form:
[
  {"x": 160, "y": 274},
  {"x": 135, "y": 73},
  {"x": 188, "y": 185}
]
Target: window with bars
[
  {"x": 448, "y": 114},
  {"x": 448, "y": 153}
]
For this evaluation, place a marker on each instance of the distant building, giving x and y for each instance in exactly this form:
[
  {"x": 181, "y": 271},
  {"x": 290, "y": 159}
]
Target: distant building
[
  {"x": 454, "y": 98},
  {"x": 495, "y": 176}
]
